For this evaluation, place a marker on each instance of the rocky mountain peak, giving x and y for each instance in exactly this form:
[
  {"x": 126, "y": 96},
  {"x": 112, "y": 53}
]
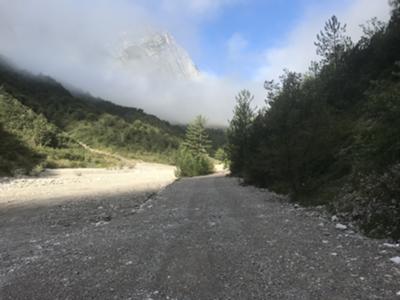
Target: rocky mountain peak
[{"x": 158, "y": 52}]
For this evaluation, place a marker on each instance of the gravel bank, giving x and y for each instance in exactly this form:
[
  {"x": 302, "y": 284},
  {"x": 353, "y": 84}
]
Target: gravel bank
[{"x": 58, "y": 184}]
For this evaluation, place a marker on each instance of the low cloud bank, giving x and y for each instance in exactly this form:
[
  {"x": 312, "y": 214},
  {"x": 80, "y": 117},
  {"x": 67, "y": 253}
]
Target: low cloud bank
[{"x": 79, "y": 43}]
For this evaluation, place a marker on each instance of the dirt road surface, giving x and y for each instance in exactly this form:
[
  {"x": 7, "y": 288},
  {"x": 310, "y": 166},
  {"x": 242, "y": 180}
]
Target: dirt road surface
[{"x": 199, "y": 238}]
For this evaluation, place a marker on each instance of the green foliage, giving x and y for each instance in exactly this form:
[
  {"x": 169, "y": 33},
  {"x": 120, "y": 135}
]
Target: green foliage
[
  {"x": 332, "y": 136},
  {"x": 132, "y": 139},
  {"x": 218, "y": 139},
  {"x": 372, "y": 200},
  {"x": 239, "y": 131},
  {"x": 377, "y": 142},
  {"x": 189, "y": 164},
  {"x": 22, "y": 121},
  {"x": 192, "y": 157},
  {"x": 30, "y": 142},
  {"x": 196, "y": 138},
  {"x": 332, "y": 42},
  {"x": 49, "y": 120},
  {"x": 47, "y": 116},
  {"x": 290, "y": 144},
  {"x": 16, "y": 157},
  {"x": 222, "y": 157}
]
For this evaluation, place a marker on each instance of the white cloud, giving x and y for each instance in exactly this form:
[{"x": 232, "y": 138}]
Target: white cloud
[
  {"x": 194, "y": 7},
  {"x": 298, "y": 50},
  {"x": 74, "y": 41}
]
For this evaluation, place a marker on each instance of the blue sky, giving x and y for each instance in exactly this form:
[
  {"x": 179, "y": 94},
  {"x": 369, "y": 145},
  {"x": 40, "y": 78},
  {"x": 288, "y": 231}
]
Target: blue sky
[
  {"x": 252, "y": 27},
  {"x": 261, "y": 24}
]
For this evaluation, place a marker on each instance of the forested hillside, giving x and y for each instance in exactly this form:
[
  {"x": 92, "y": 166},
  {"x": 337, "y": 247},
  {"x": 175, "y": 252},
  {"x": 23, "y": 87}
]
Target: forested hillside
[
  {"x": 332, "y": 136},
  {"x": 48, "y": 121},
  {"x": 30, "y": 143}
]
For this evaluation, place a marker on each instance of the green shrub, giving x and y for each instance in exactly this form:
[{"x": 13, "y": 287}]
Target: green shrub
[
  {"x": 222, "y": 156},
  {"x": 189, "y": 164},
  {"x": 16, "y": 157},
  {"x": 192, "y": 158}
]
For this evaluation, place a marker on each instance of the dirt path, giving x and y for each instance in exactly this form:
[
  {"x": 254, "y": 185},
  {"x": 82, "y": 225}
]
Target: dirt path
[
  {"x": 200, "y": 238},
  {"x": 124, "y": 160}
]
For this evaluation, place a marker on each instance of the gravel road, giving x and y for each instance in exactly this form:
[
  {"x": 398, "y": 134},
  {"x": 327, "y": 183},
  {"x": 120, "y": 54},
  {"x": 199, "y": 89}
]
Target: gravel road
[{"x": 199, "y": 238}]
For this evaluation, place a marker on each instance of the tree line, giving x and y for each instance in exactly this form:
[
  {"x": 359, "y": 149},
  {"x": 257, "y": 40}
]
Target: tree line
[{"x": 331, "y": 136}]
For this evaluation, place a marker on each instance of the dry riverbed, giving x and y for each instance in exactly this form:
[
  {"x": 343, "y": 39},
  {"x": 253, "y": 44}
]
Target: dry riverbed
[{"x": 59, "y": 184}]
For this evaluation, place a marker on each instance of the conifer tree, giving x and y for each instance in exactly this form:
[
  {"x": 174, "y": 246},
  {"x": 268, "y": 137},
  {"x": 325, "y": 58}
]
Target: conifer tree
[
  {"x": 238, "y": 132},
  {"x": 196, "y": 139},
  {"x": 192, "y": 158},
  {"x": 332, "y": 42}
]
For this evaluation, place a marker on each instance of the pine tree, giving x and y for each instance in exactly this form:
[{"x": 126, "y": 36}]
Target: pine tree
[
  {"x": 196, "y": 139},
  {"x": 332, "y": 42},
  {"x": 238, "y": 132},
  {"x": 192, "y": 157}
]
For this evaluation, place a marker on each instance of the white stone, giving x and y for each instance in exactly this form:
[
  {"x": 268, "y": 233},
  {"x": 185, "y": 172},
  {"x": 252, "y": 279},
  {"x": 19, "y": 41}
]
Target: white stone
[
  {"x": 391, "y": 245},
  {"x": 340, "y": 226},
  {"x": 396, "y": 260}
]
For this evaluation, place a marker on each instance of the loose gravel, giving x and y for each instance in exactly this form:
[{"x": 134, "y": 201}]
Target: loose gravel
[{"x": 199, "y": 238}]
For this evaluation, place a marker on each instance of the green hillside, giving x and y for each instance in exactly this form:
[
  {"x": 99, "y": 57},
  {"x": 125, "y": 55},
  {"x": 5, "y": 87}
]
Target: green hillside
[
  {"x": 45, "y": 122},
  {"x": 29, "y": 142},
  {"x": 49, "y": 121}
]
